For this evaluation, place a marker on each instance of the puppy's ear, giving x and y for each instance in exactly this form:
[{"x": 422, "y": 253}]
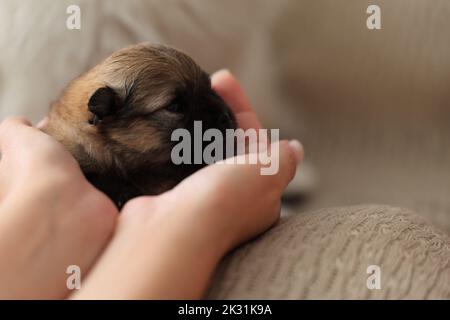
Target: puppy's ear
[{"x": 104, "y": 102}]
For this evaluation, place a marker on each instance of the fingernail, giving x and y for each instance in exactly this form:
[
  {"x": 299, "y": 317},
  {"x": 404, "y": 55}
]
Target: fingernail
[
  {"x": 42, "y": 123},
  {"x": 225, "y": 71},
  {"x": 297, "y": 147}
]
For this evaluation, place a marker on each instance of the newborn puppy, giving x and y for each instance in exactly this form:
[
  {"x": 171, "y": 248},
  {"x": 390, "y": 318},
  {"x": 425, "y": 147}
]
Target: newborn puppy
[{"x": 117, "y": 119}]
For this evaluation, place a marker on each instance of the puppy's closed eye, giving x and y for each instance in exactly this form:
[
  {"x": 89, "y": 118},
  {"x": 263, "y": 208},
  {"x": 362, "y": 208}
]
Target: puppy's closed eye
[{"x": 175, "y": 107}]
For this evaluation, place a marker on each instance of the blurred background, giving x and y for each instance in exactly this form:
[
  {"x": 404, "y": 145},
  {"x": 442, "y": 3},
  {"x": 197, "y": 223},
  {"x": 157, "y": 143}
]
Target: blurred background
[{"x": 370, "y": 106}]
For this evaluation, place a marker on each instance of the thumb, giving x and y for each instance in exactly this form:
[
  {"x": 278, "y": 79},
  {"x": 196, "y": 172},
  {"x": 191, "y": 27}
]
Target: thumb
[
  {"x": 228, "y": 87},
  {"x": 291, "y": 153}
]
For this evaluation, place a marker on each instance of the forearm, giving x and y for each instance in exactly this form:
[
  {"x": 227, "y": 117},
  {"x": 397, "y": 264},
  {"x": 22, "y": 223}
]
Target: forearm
[
  {"x": 40, "y": 237},
  {"x": 183, "y": 269},
  {"x": 26, "y": 250},
  {"x": 166, "y": 258}
]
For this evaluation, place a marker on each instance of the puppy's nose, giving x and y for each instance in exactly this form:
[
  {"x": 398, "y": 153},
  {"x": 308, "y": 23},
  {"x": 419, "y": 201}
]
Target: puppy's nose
[{"x": 226, "y": 120}]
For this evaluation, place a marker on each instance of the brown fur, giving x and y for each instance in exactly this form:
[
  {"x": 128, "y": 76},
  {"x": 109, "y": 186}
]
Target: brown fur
[{"x": 117, "y": 119}]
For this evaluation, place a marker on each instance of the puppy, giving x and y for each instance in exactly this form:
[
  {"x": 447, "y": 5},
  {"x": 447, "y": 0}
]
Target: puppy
[{"x": 117, "y": 119}]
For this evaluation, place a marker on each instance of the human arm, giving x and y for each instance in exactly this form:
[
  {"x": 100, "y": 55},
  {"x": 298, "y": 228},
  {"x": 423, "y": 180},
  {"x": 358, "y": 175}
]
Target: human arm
[
  {"x": 50, "y": 216},
  {"x": 167, "y": 247}
]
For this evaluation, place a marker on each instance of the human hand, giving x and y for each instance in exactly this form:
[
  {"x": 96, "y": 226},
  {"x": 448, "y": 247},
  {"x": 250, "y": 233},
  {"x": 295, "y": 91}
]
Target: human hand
[
  {"x": 233, "y": 203},
  {"x": 221, "y": 198},
  {"x": 167, "y": 246},
  {"x": 51, "y": 217}
]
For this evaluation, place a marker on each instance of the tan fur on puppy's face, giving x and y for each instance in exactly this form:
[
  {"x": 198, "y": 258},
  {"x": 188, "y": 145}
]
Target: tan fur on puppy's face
[
  {"x": 68, "y": 120},
  {"x": 117, "y": 119}
]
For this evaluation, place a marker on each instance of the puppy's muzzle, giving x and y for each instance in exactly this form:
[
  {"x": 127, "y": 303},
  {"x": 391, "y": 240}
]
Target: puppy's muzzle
[{"x": 226, "y": 121}]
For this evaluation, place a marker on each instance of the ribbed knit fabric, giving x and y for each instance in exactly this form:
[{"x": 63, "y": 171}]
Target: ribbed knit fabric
[{"x": 325, "y": 255}]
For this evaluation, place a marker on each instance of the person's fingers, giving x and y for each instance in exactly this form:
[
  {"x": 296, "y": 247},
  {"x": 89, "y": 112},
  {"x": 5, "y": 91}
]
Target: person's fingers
[
  {"x": 19, "y": 140},
  {"x": 290, "y": 155},
  {"x": 226, "y": 85},
  {"x": 13, "y": 122},
  {"x": 141, "y": 208},
  {"x": 10, "y": 129},
  {"x": 279, "y": 160},
  {"x": 278, "y": 164},
  {"x": 298, "y": 149},
  {"x": 229, "y": 88},
  {"x": 42, "y": 123}
]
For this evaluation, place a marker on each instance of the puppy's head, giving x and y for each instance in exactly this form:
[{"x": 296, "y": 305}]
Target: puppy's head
[{"x": 120, "y": 115}]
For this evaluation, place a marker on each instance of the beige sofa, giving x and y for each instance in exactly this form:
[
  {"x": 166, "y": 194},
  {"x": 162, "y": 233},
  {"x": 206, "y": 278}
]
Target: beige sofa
[{"x": 370, "y": 106}]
